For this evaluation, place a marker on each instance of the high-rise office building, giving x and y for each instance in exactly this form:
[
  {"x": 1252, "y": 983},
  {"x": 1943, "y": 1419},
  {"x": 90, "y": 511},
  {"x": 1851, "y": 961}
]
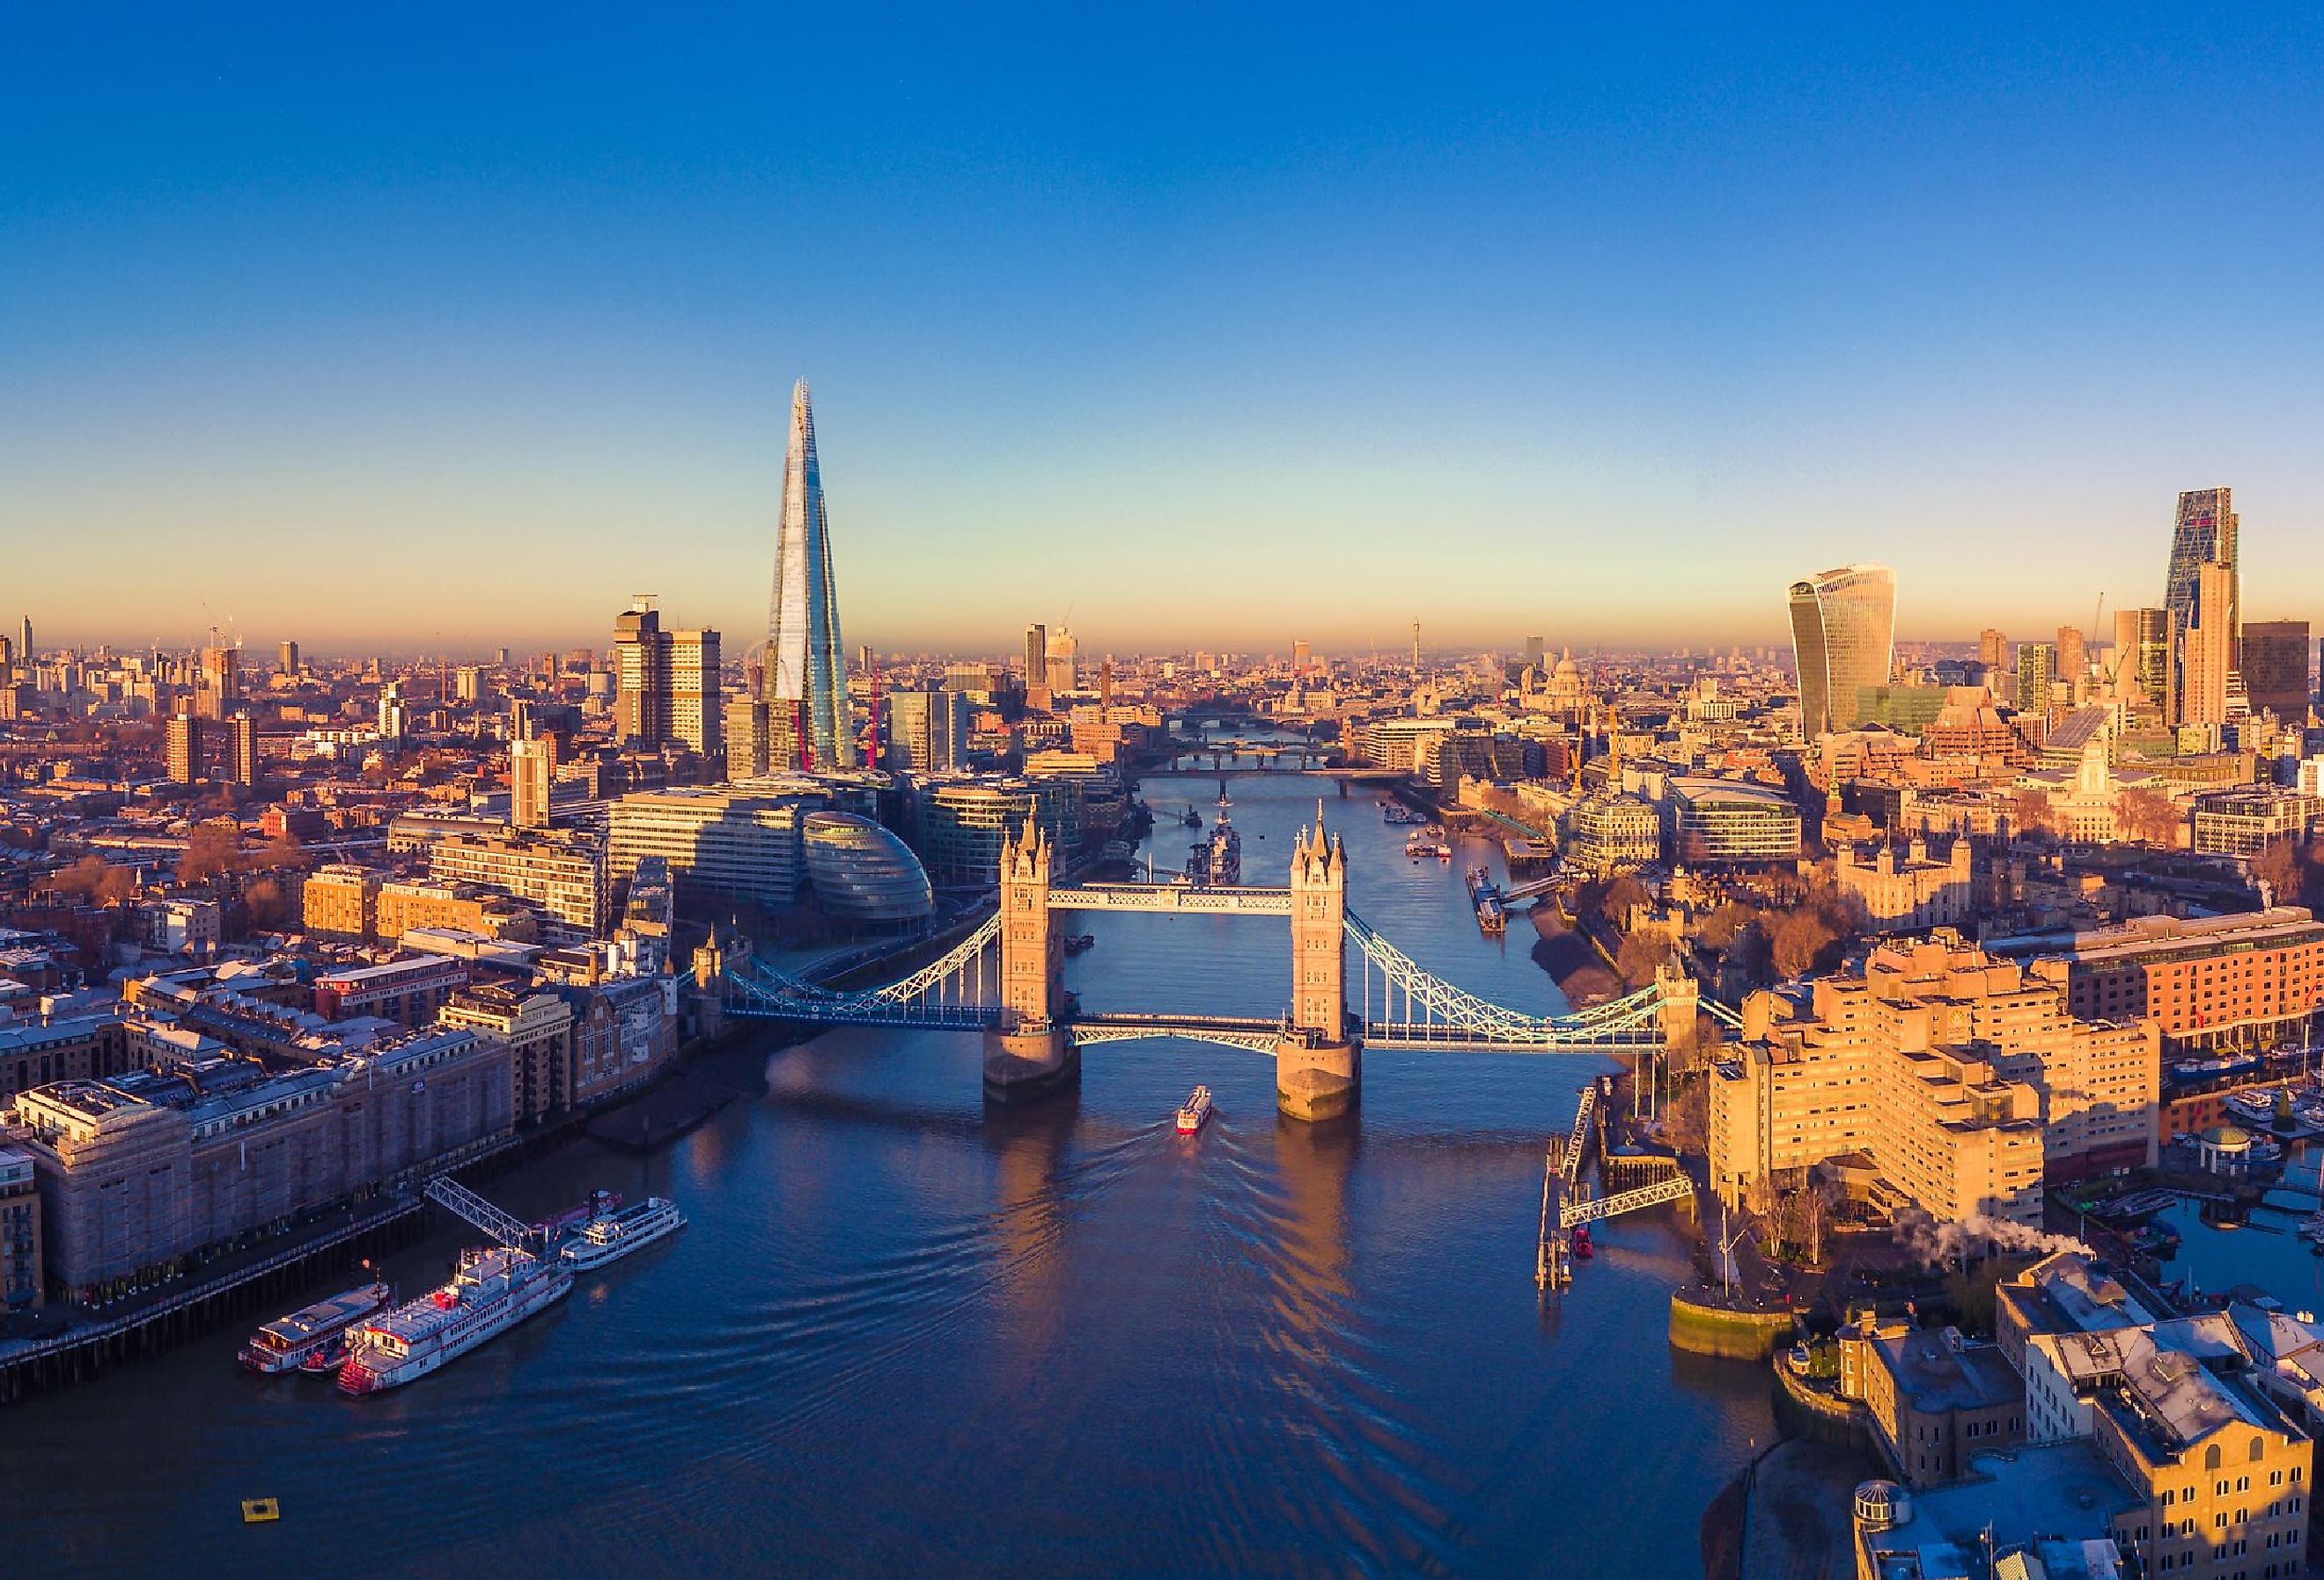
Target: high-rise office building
[
  {"x": 2142, "y": 655},
  {"x": 1535, "y": 651},
  {"x": 2205, "y": 648},
  {"x": 666, "y": 684},
  {"x": 806, "y": 667},
  {"x": 2275, "y": 668},
  {"x": 1993, "y": 649},
  {"x": 182, "y": 742},
  {"x": 1843, "y": 635},
  {"x": 1300, "y": 657},
  {"x": 220, "y": 687},
  {"x": 7, "y": 660},
  {"x": 2073, "y": 660},
  {"x": 927, "y": 731},
  {"x": 394, "y": 717},
  {"x": 25, "y": 653},
  {"x": 1064, "y": 663},
  {"x": 532, "y": 769},
  {"x": 2037, "y": 674},
  {"x": 286, "y": 658},
  {"x": 641, "y": 660},
  {"x": 2204, "y": 533},
  {"x": 694, "y": 692},
  {"x": 748, "y": 746},
  {"x": 1036, "y": 655},
  {"x": 241, "y": 750}
]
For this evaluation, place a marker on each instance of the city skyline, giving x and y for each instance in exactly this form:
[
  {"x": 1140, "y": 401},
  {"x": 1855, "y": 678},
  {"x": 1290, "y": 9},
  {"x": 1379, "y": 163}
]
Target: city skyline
[
  {"x": 1422, "y": 334},
  {"x": 1296, "y": 935}
]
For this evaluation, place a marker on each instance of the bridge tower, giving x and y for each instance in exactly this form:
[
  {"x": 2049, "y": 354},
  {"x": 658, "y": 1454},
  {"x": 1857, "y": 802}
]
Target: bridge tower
[
  {"x": 1030, "y": 1052},
  {"x": 1676, "y": 1009},
  {"x": 1318, "y": 1061}
]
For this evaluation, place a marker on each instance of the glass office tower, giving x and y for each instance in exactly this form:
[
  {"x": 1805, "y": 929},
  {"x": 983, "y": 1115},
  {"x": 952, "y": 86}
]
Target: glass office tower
[
  {"x": 1843, "y": 633},
  {"x": 806, "y": 667},
  {"x": 2204, "y": 534}
]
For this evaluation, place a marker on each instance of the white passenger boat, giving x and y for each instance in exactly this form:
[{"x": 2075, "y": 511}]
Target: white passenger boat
[
  {"x": 1192, "y": 1117},
  {"x": 494, "y": 1290},
  {"x": 313, "y": 1338},
  {"x": 614, "y": 1235},
  {"x": 2255, "y": 1107}
]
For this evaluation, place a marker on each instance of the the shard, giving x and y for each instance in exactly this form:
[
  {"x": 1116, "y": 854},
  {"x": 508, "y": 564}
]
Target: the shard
[{"x": 807, "y": 673}]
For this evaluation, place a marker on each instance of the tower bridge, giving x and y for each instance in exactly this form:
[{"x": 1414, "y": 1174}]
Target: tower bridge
[{"x": 1006, "y": 980}]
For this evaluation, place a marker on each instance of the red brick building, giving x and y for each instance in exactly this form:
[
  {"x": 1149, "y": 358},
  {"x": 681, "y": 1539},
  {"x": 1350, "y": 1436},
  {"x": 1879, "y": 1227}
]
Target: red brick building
[{"x": 2253, "y": 979}]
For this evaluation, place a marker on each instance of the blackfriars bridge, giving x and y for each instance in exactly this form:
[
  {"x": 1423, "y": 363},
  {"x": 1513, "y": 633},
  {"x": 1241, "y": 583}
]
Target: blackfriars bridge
[{"x": 1034, "y": 1034}]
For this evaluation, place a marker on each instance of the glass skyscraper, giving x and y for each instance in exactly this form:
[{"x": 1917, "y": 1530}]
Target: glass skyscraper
[
  {"x": 2204, "y": 533},
  {"x": 1843, "y": 632},
  {"x": 2142, "y": 641},
  {"x": 806, "y": 667}
]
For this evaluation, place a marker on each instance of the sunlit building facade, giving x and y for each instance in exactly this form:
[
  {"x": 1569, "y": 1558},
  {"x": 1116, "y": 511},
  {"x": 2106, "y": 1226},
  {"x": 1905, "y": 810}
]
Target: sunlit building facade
[
  {"x": 806, "y": 666},
  {"x": 2204, "y": 533},
  {"x": 727, "y": 841},
  {"x": 963, "y": 825},
  {"x": 1843, "y": 632}
]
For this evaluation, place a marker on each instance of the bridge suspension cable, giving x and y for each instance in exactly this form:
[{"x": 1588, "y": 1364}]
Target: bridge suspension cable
[
  {"x": 1435, "y": 1009},
  {"x": 936, "y": 994}
]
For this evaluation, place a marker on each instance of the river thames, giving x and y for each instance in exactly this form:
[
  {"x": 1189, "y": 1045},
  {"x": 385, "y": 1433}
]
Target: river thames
[{"x": 908, "y": 1333}]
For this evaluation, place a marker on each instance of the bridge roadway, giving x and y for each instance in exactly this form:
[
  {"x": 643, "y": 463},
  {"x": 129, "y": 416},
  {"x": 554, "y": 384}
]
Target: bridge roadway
[
  {"x": 1258, "y": 1036},
  {"x": 1389, "y": 1036},
  {"x": 1199, "y": 765},
  {"x": 1235, "y": 900}
]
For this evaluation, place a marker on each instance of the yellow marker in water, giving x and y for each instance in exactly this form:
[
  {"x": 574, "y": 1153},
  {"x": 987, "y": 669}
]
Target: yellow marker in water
[{"x": 259, "y": 1510}]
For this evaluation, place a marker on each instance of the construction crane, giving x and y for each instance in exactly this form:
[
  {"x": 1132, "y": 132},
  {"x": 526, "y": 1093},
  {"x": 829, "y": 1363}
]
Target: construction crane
[{"x": 454, "y": 1198}]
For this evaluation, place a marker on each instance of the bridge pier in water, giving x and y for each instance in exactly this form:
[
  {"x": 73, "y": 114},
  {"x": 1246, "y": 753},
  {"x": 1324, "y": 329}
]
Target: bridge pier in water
[
  {"x": 1317, "y": 1080},
  {"x": 1029, "y": 1062}
]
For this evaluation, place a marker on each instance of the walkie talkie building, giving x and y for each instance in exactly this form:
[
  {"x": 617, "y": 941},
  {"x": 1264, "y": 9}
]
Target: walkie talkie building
[{"x": 1843, "y": 632}]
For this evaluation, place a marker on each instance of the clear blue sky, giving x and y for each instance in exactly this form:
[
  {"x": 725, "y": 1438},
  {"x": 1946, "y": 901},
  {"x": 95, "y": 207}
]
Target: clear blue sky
[{"x": 1201, "y": 327}]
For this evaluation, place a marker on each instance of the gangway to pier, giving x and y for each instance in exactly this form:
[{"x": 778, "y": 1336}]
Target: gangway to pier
[
  {"x": 1531, "y": 889},
  {"x": 1561, "y": 1183},
  {"x": 1566, "y": 1206},
  {"x": 1677, "y": 1187},
  {"x": 454, "y": 1198},
  {"x": 1569, "y": 1166}
]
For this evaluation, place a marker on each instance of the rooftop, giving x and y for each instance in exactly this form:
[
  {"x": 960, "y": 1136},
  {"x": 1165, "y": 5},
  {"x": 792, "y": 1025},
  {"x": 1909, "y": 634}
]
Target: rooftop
[
  {"x": 1938, "y": 1372},
  {"x": 2069, "y": 1293},
  {"x": 2061, "y": 1490},
  {"x": 363, "y": 975},
  {"x": 2146, "y": 935}
]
